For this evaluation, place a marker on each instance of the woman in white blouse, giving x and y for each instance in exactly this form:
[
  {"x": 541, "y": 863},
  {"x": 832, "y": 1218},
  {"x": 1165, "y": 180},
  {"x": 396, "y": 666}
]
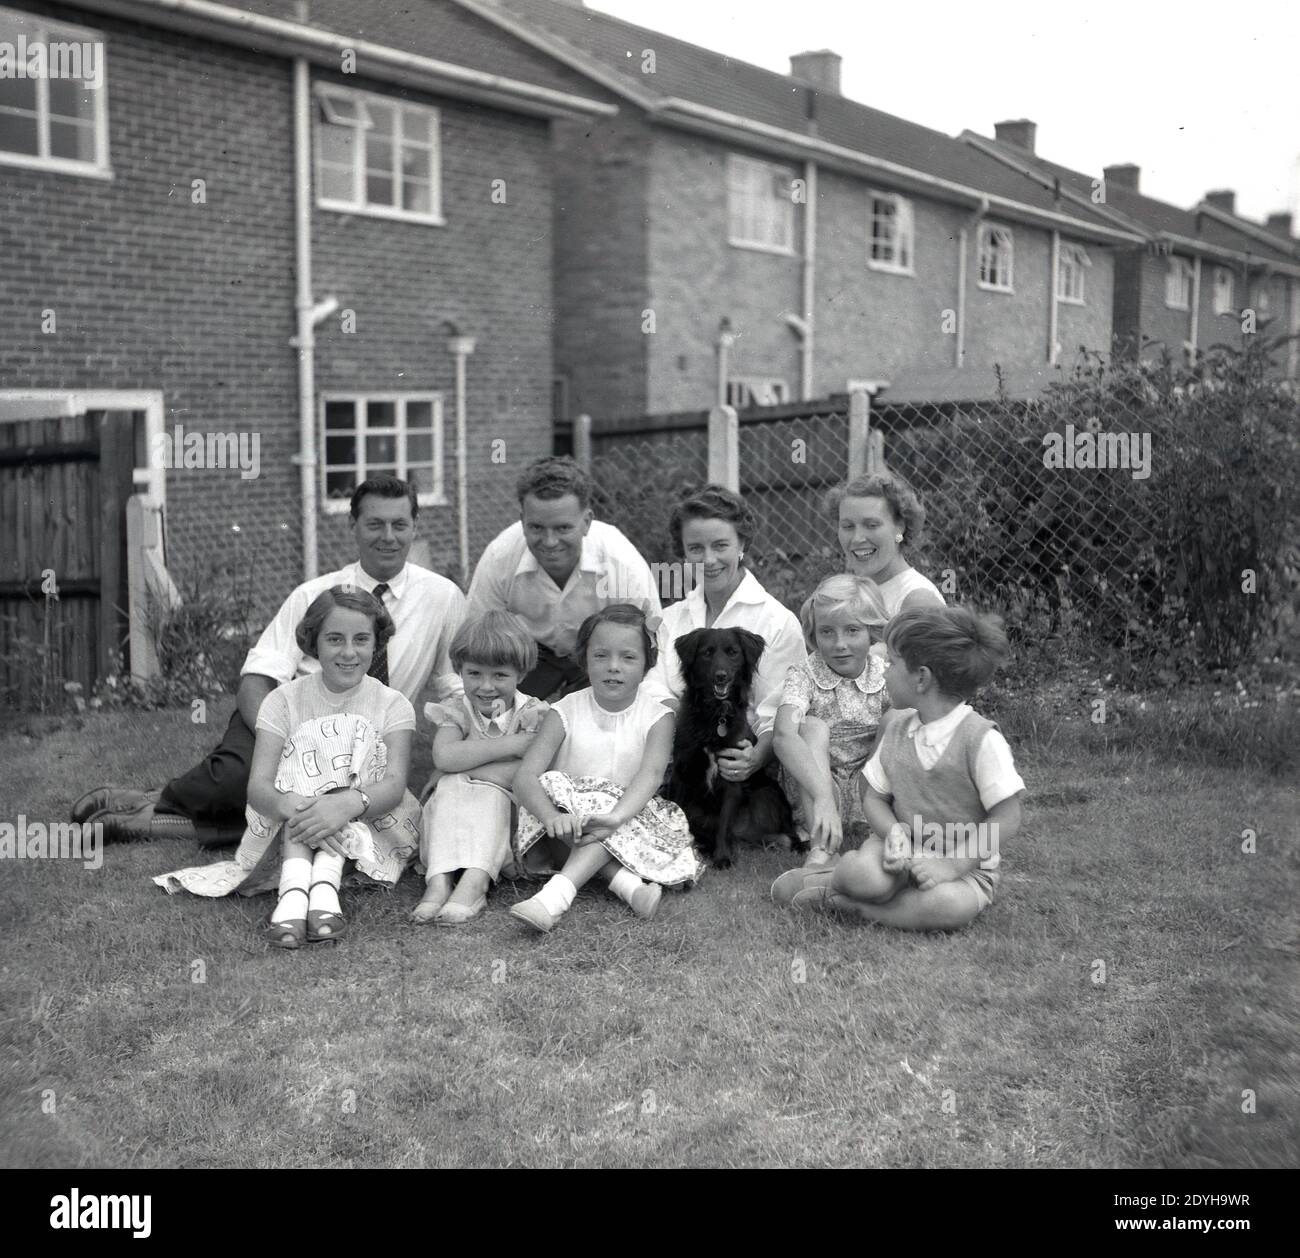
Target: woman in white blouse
[{"x": 711, "y": 529}]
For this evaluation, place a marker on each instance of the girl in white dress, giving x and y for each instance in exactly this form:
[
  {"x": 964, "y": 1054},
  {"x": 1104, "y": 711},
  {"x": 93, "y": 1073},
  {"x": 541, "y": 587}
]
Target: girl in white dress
[
  {"x": 478, "y": 742},
  {"x": 587, "y": 785}
]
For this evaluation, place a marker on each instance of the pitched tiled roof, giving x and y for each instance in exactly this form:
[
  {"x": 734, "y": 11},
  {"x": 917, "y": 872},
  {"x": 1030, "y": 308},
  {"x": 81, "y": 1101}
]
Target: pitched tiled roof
[
  {"x": 439, "y": 29},
  {"x": 685, "y": 71},
  {"x": 1155, "y": 216}
]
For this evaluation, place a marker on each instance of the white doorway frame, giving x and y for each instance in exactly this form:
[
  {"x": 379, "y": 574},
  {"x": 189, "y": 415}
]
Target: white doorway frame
[{"x": 17, "y": 405}]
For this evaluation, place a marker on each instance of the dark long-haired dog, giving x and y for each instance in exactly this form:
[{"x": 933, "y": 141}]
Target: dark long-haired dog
[{"x": 718, "y": 665}]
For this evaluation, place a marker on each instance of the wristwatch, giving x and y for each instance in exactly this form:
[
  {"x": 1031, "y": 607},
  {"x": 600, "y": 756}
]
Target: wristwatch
[{"x": 365, "y": 803}]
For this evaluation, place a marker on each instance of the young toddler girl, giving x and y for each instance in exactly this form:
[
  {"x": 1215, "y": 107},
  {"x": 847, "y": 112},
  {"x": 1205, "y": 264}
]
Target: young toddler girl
[
  {"x": 328, "y": 778},
  {"x": 842, "y": 685},
  {"x": 942, "y": 791},
  {"x": 587, "y": 784},
  {"x": 477, "y": 745}
]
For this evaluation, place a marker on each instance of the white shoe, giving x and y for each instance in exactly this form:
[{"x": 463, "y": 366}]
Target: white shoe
[{"x": 535, "y": 913}]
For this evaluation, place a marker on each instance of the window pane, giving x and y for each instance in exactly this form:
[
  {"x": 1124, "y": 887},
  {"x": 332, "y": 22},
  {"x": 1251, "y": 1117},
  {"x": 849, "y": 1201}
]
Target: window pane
[
  {"x": 70, "y": 99},
  {"x": 383, "y": 118},
  {"x": 18, "y": 93},
  {"x": 382, "y": 469},
  {"x": 335, "y": 184},
  {"x": 419, "y": 448},
  {"x": 415, "y": 125},
  {"x": 340, "y": 450},
  {"x": 417, "y": 197},
  {"x": 338, "y": 145},
  {"x": 340, "y": 415},
  {"x": 419, "y": 415},
  {"x": 379, "y": 156},
  {"x": 18, "y": 133},
  {"x": 381, "y": 415},
  {"x": 379, "y": 190},
  {"x": 72, "y": 139},
  {"x": 382, "y": 448},
  {"x": 415, "y": 163},
  {"x": 340, "y": 484}
]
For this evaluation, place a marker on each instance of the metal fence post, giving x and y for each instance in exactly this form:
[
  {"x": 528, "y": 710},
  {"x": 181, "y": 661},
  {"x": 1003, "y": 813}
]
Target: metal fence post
[
  {"x": 724, "y": 448},
  {"x": 859, "y": 432},
  {"x": 582, "y": 442}
]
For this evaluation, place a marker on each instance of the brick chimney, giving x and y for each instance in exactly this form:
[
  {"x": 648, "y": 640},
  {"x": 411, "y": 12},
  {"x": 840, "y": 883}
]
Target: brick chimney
[
  {"x": 1279, "y": 224},
  {"x": 1125, "y": 175},
  {"x": 821, "y": 69},
  {"x": 1222, "y": 199},
  {"x": 1020, "y": 132}
]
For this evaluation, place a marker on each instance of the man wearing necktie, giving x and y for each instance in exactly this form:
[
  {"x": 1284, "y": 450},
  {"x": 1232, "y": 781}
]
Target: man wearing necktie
[{"x": 207, "y": 802}]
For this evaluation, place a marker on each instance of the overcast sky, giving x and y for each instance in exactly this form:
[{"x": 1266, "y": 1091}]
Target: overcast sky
[{"x": 1199, "y": 95}]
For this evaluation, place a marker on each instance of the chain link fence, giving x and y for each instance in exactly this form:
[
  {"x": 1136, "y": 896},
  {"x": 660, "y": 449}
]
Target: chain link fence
[{"x": 1117, "y": 512}]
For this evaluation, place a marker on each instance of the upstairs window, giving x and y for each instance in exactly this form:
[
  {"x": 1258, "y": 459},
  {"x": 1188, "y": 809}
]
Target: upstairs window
[
  {"x": 377, "y": 155},
  {"x": 996, "y": 258},
  {"x": 1223, "y": 294},
  {"x": 892, "y": 234},
  {"x": 53, "y": 95},
  {"x": 1074, "y": 260},
  {"x": 1178, "y": 284},
  {"x": 760, "y": 205},
  {"x": 744, "y": 392}
]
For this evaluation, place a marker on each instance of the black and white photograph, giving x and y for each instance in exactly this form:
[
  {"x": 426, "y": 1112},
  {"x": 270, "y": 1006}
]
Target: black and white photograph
[{"x": 649, "y": 584}]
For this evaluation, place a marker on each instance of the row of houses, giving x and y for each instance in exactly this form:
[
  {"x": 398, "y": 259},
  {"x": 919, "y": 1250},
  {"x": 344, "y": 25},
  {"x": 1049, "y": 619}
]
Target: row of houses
[{"x": 410, "y": 237}]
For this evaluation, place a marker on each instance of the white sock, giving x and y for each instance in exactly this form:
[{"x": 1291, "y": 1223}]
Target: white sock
[
  {"x": 295, "y": 875},
  {"x": 557, "y": 895},
  {"x": 326, "y": 875},
  {"x": 625, "y": 884}
]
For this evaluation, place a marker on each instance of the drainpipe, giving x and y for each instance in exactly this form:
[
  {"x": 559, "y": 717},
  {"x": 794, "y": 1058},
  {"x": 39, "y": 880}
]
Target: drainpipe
[
  {"x": 1196, "y": 309},
  {"x": 963, "y": 238},
  {"x": 461, "y": 347},
  {"x": 1053, "y": 317},
  {"x": 725, "y": 342},
  {"x": 305, "y": 341},
  {"x": 809, "y": 278}
]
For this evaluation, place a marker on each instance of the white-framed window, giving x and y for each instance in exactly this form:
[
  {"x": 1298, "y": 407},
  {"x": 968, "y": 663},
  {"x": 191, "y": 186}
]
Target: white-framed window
[
  {"x": 746, "y": 391},
  {"x": 1223, "y": 291},
  {"x": 377, "y": 155},
  {"x": 997, "y": 257},
  {"x": 1074, "y": 261},
  {"x": 53, "y": 95},
  {"x": 892, "y": 234},
  {"x": 363, "y": 436},
  {"x": 1263, "y": 298},
  {"x": 760, "y": 205},
  {"x": 1178, "y": 284}
]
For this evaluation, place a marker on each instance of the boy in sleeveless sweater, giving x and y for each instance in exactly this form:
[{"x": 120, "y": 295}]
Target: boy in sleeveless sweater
[{"x": 941, "y": 794}]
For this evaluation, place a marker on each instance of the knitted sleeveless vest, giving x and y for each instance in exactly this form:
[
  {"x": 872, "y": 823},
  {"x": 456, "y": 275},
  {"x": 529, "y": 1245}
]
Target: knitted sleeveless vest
[{"x": 944, "y": 794}]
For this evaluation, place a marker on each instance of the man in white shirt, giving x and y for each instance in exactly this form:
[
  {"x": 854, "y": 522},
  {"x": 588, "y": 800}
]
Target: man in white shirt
[
  {"x": 555, "y": 568},
  {"x": 207, "y": 802}
]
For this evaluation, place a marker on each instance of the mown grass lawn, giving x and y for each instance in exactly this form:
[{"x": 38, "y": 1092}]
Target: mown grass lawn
[{"x": 726, "y": 1032}]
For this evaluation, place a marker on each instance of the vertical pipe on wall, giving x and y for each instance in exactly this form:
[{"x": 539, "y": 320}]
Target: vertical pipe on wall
[
  {"x": 306, "y": 338},
  {"x": 960, "y": 350},
  {"x": 462, "y": 347},
  {"x": 1054, "y": 296},
  {"x": 1196, "y": 310},
  {"x": 806, "y": 361}
]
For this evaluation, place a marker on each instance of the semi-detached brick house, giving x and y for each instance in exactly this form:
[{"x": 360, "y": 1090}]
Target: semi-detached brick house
[
  {"x": 1197, "y": 273},
  {"x": 430, "y": 217},
  {"x": 838, "y": 242}
]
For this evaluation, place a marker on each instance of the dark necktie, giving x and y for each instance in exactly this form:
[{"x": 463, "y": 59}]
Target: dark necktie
[{"x": 379, "y": 663}]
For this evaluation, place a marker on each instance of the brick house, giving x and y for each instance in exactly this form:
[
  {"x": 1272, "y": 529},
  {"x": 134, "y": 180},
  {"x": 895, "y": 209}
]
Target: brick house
[
  {"x": 1199, "y": 276},
  {"x": 737, "y": 230},
  {"x": 154, "y": 230}
]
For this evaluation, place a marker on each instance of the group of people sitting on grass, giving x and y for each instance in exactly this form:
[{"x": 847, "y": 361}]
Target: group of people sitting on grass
[{"x": 553, "y": 690}]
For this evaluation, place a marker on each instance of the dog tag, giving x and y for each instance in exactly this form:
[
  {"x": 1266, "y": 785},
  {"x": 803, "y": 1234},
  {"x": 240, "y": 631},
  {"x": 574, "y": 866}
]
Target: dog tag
[{"x": 722, "y": 729}]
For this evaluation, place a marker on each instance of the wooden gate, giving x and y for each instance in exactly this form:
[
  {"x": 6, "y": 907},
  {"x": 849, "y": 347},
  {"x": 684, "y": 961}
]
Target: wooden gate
[{"x": 64, "y": 484}]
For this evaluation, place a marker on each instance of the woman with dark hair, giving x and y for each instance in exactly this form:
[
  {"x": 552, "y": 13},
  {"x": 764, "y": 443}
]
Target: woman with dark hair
[
  {"x": 877, "y": 516},
  {"x": 711, "y": 529}
]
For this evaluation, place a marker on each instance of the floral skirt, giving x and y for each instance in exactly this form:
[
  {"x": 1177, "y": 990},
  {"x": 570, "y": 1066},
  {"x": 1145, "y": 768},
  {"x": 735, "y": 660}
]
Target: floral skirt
[
  {"x": 847, "y": 785},
  {"x": 655, "y": 845}
]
